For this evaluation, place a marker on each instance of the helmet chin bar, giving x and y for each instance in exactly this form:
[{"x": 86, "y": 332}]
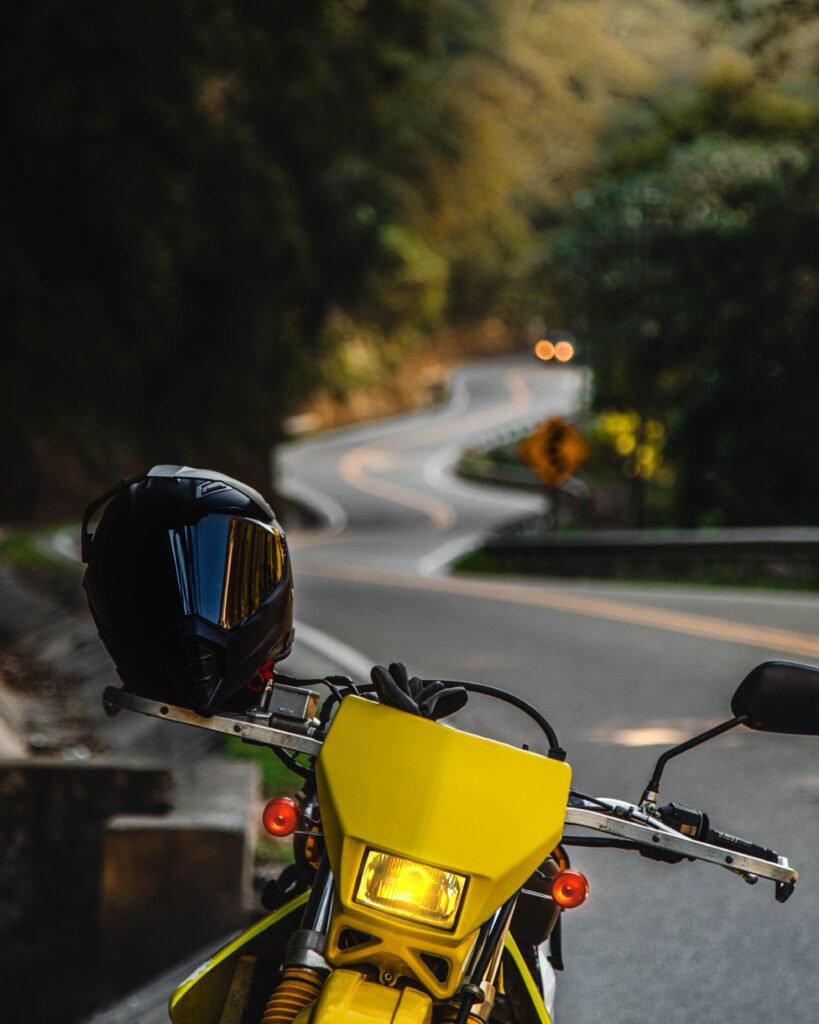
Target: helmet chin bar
[
  {"x": 205, "y": 670},
  {"x": 288, "y": 724}
]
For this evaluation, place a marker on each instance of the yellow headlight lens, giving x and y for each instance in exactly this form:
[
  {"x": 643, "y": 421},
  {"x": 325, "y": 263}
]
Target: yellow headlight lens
[{"x": 411, "y": 890}]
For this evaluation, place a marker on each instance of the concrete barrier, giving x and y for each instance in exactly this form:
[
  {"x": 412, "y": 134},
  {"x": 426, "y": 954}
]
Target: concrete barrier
[
  {"x": 52, "y": 818},
  {"x": 100, "y": 890},
  {"x": 110, "y": 864},
  {"x": 171, "y": 884}
]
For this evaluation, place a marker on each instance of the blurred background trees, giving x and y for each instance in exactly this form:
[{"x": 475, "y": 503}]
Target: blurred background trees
[
  {"x": 189, "y": 189},
  {"x": 213, "y": 209},
  {"x": 690, "y": 266}
]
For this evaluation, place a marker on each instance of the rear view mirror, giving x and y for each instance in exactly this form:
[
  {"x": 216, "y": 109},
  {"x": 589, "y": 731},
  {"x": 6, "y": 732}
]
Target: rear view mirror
[{"x": 780, "y": 696}]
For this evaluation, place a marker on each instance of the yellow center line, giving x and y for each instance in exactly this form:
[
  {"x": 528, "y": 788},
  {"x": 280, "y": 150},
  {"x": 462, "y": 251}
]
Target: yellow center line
[
  {"x": 520, "y": 399},
  {"x": 353, "y": 468},
  {"x": 356, "y": 466},
  {"x": 781, "y": 640}
]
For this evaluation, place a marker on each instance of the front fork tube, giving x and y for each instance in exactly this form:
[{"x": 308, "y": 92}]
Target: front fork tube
[
  {"x": 305, "y": 968},
  {"x": 479, "y": 992},
  {"x": 306, "y": 947}
]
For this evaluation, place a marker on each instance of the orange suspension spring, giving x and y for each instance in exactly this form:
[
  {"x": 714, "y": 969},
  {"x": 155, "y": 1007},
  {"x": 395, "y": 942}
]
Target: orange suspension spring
[
  {"x": 298, "y": 988},
  {"x": 448, "y": 1014}
]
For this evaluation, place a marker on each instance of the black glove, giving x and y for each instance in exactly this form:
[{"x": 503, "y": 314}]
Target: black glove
[{"x": 430, "y": 699}]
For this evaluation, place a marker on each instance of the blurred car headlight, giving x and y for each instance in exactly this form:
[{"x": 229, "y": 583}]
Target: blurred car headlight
[{"x": 545, "y": 350}]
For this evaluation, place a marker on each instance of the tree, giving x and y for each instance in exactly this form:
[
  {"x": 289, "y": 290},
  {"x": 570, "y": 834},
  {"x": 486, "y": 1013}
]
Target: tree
[
  {"x": 188, "y": 190},
  {"x": 194, "y": 192},
  {"x": 692, "y": 270}
]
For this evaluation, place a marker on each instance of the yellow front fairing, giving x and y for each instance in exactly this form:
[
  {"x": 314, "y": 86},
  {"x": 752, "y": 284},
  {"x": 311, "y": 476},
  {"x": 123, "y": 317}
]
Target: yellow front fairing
[{"x": 421, "y": 790}]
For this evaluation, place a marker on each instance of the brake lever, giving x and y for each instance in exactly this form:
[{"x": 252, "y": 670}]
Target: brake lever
[{"x": 784, "y": 891}]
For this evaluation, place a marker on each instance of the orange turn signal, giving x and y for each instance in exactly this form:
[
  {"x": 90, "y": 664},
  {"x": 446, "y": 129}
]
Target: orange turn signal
[
  {"x": 280, "y": 816},
  {"x": 570, "y": 888}
]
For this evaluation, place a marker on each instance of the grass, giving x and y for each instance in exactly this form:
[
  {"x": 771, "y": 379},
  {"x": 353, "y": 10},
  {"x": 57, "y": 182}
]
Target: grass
[
  {"x": 277, "y": 780},
  {"x": 21, "y": 549},
  {"x": 25, "y": 552}
]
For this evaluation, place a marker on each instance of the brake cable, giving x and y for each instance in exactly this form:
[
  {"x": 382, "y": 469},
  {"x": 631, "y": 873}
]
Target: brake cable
[{"x": 555, "y": 750}]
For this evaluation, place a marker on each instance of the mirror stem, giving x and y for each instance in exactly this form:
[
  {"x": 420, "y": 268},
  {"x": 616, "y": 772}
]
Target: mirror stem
[{"x": 652, "y": 791}]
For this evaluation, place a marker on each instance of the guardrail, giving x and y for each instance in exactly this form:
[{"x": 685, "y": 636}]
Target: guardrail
[{"x": 786, "y": 556}]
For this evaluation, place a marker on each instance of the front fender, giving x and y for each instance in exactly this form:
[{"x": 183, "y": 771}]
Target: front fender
[
  {"x": 348, "y": 998},
  {"x": 201, "y": 998},
  {"x": 521, "y": 988}
]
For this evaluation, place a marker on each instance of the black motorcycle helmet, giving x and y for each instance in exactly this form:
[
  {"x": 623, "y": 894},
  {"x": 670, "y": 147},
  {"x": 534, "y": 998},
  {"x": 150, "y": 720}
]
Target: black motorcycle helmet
[{"x": 189, "y": 582}]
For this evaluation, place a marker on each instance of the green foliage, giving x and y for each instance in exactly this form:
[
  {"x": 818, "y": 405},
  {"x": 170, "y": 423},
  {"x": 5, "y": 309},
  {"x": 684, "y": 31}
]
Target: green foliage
[
  {"x": 277, "y": 780},
  {"x": 197, "y": 195},
  {"x": 32, "y": 558},
  {"x": 190, "y": 189},
  {"x": 691, "y": 268}
]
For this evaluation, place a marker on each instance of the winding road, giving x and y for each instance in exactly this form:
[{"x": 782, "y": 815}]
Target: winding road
[{"x": 621, "y": 671}]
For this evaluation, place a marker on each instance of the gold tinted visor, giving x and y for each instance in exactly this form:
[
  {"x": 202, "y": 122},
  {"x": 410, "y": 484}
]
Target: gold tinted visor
[{"x": 226, "y": 567}]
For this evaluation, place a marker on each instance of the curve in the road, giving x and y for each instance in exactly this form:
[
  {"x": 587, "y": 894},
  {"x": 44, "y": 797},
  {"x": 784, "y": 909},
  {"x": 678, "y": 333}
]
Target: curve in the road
[
  {"x": 359, "y": 466},
  {"x": 367, "y": 456},
  {"x": 364, "y": 584}
]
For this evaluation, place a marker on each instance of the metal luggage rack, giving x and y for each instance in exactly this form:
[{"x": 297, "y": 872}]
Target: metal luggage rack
[{"x": 290, "y": 725}]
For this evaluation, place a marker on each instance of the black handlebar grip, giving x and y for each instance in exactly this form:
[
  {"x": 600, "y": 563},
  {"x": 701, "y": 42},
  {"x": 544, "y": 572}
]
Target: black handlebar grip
[{"x": 739, "y": 845}]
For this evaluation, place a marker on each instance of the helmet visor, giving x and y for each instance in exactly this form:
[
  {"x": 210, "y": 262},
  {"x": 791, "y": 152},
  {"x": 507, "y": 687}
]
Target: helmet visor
[{"x": 226, "y": 567}]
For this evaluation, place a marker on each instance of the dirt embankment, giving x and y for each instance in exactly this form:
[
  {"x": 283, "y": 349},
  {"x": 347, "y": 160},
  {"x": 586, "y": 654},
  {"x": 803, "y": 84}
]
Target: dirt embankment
[{"x": 418, "y": 379}]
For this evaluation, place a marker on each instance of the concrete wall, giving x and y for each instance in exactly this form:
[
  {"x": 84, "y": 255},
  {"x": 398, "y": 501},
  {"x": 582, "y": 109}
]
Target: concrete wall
[
  {"x": 172, "y": 884},
  {"x": 52, "y": 818},
  {"x": 110, "y": 873}
]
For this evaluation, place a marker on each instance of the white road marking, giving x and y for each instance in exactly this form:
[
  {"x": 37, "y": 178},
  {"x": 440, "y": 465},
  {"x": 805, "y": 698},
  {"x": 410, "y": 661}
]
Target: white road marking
[
  {"x": 326, "y": 507},
  {"x": 348, "y": 659},
  {"x": 437, "y": 559},
  {"x": 66, "y": 543}
]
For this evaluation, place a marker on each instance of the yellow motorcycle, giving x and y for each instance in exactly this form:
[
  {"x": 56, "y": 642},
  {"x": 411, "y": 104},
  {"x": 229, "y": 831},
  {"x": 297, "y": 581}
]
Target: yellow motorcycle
[{"x": 408, "y": 904}]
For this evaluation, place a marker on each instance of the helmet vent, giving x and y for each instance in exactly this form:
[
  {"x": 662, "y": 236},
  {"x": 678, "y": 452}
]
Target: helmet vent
[
  {"x": 204, "y": 669},
  {"x": 210, "y": 487}
]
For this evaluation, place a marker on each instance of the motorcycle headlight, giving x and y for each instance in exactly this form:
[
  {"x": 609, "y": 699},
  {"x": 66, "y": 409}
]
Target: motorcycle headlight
[{"x": 417, "y": 892}]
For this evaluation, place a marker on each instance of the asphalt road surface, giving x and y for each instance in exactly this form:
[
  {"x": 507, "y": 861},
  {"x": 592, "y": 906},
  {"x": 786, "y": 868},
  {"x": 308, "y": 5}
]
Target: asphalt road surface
[{"x": 621, "y": 670}]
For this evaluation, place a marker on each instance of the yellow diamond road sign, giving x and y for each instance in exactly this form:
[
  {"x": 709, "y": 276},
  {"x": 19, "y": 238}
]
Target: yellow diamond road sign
[{"x": 555, "y": 451}]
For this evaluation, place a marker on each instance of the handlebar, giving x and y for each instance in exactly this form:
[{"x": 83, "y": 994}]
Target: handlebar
[
  {"x": 728, "y": 842},
  {"x": 629, "y": 825},
  {"x": 652, "y": 836}
]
